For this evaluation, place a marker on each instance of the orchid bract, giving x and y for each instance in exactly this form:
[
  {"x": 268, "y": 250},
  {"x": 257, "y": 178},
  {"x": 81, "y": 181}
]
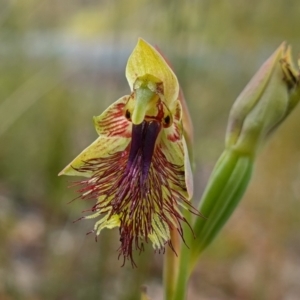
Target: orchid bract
[
  {"x": 138, "y": 168},
  {"x": 267, "y": 100}
]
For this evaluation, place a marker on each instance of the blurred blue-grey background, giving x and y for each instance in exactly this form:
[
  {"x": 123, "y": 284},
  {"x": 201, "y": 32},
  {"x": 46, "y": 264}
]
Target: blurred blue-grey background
[{"x": 62, "y": 62}]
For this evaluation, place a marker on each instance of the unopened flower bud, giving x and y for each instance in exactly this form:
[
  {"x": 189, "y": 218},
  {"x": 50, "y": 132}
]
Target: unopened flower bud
[{"x": 264, "y": 103}]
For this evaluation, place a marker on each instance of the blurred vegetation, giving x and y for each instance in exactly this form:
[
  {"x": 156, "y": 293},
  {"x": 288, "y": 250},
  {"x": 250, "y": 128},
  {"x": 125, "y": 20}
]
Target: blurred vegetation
[{"x": 62, "y": 62}]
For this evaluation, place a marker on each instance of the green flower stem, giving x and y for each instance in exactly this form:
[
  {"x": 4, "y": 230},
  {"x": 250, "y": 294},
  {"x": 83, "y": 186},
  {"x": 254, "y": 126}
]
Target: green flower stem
[
  {"x": 184, "y": 258},
  {"x": 225, "y": 189},
  {"x": 171, "y": 265}
]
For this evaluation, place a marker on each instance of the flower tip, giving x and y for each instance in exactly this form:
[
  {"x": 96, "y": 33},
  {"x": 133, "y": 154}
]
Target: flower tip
[
  {"x": 68, "y": 170},
  {"x": 142, "y": 42},
  {"x": 283, "y": 45},
  {"x": 63, "y": 172}
]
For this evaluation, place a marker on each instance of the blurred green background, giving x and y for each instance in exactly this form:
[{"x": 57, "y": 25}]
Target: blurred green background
[{"x": 62, "y": 62}]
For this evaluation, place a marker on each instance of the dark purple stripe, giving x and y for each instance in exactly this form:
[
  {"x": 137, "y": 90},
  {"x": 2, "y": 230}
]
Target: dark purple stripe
[
  {"x": 151, "y": 132},
  {"x": 136, "y": 143}
]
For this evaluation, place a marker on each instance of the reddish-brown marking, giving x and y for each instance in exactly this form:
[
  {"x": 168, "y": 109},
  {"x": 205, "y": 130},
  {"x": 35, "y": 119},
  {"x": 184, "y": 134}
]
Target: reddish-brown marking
[{"x": 137, "y": 201}]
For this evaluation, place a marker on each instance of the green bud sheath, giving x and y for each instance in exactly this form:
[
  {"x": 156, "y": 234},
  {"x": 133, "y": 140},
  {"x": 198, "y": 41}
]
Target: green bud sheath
[
  {"x": 226, "y": 186},
  {"x": 264, "y": 103}
]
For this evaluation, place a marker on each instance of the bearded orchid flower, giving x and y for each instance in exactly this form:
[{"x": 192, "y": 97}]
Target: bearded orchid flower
[{"x": 138, "y": 169}]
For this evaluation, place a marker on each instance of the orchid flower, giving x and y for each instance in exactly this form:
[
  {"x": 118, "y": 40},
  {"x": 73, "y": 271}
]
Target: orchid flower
[{"x": 138, "y": 168}]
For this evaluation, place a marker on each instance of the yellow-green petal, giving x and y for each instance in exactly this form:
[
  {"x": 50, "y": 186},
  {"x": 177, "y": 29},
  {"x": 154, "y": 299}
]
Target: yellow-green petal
[
  {"x": 105, "y": 222},
  {"x": 145, "y": 60},
  {"x": 102, "y": 147},
  {"x": 160, "y": 234},
  {"x": 112, "y": 122},
  {"x": 175, "y": 149}
]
